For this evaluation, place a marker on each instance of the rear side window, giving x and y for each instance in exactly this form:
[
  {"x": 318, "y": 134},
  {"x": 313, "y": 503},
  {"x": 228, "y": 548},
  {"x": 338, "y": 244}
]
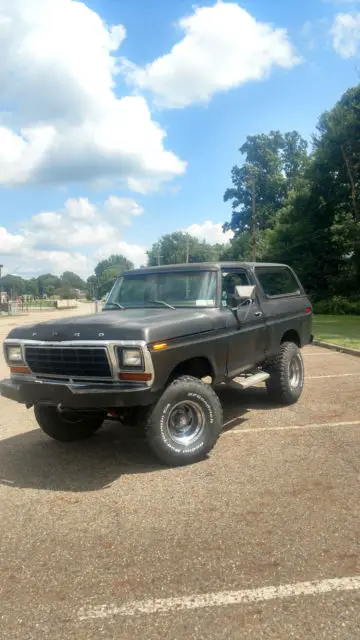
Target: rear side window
[{"x": 278, "y": 282}]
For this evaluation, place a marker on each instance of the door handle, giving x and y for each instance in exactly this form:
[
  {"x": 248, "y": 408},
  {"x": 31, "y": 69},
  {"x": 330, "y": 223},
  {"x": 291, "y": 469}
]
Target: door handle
[{"x": 258, "y": 314}]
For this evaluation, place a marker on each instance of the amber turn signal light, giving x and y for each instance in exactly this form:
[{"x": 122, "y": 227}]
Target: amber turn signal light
[
  {"x": 159, "y": 346},
  {"x": 132, "y": 376},
  {"x": 19, "y": 369}
]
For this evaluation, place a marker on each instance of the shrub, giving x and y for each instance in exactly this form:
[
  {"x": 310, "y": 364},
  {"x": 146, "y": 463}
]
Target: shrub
[{"x": 338, "y": 306}]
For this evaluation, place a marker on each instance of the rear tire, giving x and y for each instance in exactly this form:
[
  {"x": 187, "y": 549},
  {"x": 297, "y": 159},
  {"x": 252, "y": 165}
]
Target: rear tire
[
  {"x": 67, "y": 427},
  {"x": 286, "y": 371},
  {"x": 185, "y": 423}
]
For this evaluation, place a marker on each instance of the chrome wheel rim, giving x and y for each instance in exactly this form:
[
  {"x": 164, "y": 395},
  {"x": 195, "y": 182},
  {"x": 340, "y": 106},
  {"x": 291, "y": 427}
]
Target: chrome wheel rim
[
  {"x": 295, "y": 372},
  {"x": 185, "y": 422}
]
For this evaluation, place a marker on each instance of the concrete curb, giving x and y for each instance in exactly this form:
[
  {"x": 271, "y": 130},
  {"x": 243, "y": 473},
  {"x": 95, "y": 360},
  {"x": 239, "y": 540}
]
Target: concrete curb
[{"x": 337, "y": 347}]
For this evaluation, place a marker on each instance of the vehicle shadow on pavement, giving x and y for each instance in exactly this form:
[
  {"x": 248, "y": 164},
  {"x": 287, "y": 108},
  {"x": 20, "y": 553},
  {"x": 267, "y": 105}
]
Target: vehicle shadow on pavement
[
  {"x": 236, "y": 403},
  {"x": 32, "y": 460}
]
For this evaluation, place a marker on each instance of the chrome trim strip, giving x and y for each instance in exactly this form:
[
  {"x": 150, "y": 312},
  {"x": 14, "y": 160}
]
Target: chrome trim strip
[
  {"x": 74, "y": 343},
  {"x": 80, "y": 387},
  {"x": 109, "y": 345}
]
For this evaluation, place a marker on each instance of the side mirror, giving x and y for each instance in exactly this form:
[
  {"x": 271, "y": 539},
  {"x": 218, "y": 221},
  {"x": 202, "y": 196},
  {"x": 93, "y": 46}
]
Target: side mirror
[{"x": 243, "y": 293}]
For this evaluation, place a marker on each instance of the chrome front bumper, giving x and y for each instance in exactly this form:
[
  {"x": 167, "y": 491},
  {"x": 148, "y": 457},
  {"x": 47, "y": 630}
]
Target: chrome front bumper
[{"x": 76, "y": 395}]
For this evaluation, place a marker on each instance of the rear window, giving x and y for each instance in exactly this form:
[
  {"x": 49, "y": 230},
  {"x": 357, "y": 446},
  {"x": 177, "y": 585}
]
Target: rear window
[{"x": 278, "y": 282}]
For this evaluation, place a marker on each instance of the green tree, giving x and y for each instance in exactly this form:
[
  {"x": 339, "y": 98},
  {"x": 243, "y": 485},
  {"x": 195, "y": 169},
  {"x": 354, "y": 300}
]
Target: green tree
[
  {"x": 295, "y": 159},
  {"x": 47, "y": 284},
  {"x": 301, "y": 237},
  {"x": 69, "y": 279},
  {"x": 180, "y": 247},
  {"x": 317, "y": 229},
  {"x": 13, "y": 285},
  {"x": 272, "y": 164},
  {"x": 32, "y": 287},
  {"x": 117, "y": 262},
  {"x": 337, "y": 167},
  {"x": 108, "y": 270}
]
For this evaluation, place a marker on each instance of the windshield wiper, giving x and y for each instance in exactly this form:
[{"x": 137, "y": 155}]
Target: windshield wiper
[
  {"x": 114, "y": 304},
  {"x": 165, "y": 304}
]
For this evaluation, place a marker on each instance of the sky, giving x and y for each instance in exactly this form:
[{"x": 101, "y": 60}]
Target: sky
[{"x": 120, "y": 120}]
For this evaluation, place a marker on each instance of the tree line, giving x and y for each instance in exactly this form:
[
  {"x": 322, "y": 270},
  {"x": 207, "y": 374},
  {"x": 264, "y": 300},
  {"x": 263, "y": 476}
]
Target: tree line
[
  {"x": 302, "y": 207},
  {"x": 172, "y": 248},
  {"x": 290, "y": 202},
  {"x": 65, "y": 286}
]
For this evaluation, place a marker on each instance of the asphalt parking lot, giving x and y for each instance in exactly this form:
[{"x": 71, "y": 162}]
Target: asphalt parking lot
[{"x": 261, "y": 540}]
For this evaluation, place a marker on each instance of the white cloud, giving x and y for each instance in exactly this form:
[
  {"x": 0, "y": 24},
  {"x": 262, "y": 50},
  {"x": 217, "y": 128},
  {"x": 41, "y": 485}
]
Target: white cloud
[
  {"x": 122, "y": 209},
  {"x": 58, "y": 261},
  {"x": 345, "y": 33},
  {"x": 223, "y": 47},
  {"x": 9, "y": 242},
  {"x": 69, "y": 239},
  {"x": 57, "y": 241},
  {"x": 212, "y": 232},
  {"x": 81, "y": 209},
  {"x": 61, "y": 120},
  {"x": 134, "y": 252},
  {"x": 72, "y": 228},
  {"x": 26, "y": 261}
]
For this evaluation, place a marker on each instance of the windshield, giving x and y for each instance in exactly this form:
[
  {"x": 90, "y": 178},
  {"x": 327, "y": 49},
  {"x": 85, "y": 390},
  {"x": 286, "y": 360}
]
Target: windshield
[{"x": 168, "y": 289}]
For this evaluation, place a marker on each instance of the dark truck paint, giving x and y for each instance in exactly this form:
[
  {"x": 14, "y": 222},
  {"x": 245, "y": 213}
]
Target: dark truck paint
[
  {"x": 214, "y": 337},
  {"x": 199, "y": 341}
]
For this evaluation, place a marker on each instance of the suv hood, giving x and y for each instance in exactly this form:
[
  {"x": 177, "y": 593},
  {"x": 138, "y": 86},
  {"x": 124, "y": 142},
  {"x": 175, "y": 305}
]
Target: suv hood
[{"x": 151, "y": 325}]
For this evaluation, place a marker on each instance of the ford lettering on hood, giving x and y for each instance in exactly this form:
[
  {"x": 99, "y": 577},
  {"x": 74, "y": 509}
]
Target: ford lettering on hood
[{"x": 147, "y": 324}]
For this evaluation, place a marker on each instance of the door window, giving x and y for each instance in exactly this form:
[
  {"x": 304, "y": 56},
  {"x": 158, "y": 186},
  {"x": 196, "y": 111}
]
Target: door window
[{"x": 230, "y": 280}]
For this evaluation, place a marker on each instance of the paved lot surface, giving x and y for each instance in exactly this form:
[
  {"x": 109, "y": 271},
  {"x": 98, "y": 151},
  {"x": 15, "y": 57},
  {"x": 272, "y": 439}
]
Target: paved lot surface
[{"x": 261, "y": 540}]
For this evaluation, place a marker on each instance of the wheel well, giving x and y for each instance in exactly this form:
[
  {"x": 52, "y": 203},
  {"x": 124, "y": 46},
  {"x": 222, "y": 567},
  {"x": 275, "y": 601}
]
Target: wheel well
[
  {"x": 197, "y": 367},
  {"x": 291, "y": 336}
]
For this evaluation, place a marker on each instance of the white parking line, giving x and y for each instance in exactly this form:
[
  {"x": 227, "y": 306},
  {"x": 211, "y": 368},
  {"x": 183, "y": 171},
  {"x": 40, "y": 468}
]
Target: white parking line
[
  {"x": 312, "y": 425},
  {"x": 221, "y": 598},
  {"x": 333, "y": 375}
]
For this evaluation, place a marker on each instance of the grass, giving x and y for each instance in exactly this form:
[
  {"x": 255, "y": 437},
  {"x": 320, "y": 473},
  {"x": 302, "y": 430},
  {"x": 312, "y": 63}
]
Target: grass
[{"x": 340, "y": 330}]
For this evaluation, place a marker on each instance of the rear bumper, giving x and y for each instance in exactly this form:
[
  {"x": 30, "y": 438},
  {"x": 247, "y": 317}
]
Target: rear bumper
[{"x": 76, "y": 395}]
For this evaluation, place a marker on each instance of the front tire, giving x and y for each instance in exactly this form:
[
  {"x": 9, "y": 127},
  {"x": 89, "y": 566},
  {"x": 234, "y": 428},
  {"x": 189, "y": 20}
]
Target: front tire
[
  {"x": 67, "y": 427},
  {"x": 286, "y": 371},
  {"x": 185, "y": 423}
]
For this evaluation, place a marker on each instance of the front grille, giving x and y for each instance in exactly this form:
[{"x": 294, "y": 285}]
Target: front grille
[{"x": 80, "y": 362}]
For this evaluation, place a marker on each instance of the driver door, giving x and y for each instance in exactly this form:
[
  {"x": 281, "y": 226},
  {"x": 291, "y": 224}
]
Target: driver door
[{"x": 247, "y": 341}]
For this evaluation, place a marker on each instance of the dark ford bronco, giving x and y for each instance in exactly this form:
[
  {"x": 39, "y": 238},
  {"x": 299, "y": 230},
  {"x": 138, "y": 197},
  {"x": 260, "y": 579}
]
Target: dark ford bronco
[{"x": 166, "y": 337}]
